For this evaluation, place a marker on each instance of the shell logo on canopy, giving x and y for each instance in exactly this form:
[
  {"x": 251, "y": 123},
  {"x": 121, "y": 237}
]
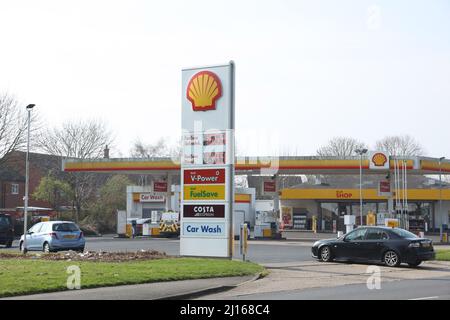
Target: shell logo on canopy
[
  {"x": 203, "y": 91},
  {"x": 379, "y": 159}
]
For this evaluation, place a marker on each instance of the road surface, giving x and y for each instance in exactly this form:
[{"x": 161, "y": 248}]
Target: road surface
[{"x": 259, "y": 251}]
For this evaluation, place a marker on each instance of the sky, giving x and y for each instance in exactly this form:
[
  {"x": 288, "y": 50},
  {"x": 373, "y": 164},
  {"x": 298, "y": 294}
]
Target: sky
[{"x": 306, "y": 71}]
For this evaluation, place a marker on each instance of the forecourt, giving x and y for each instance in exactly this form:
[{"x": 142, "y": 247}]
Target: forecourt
[{"x": 279, "y": 167}]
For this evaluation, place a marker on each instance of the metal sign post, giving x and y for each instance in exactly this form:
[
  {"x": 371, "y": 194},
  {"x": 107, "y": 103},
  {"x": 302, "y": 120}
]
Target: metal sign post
[{"x": 243, "y": 242}]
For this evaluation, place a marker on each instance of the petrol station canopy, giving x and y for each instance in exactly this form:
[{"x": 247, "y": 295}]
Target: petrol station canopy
[{"x": 261, "y": 165}]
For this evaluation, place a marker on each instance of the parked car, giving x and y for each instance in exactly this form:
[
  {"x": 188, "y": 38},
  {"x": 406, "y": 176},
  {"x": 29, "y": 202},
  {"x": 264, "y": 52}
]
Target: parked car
[
  {"x": 6, "y": 230},
  {"x": 391, "y": 246},
  {"x": 52, "y": 236}
]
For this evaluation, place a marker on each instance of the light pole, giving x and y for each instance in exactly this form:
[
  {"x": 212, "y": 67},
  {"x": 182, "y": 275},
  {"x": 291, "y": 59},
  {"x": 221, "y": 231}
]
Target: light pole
[
  {"x": 27, "y": 178},
  {"x": 360, "y": 152},
  {"x": 441, "y": 216}
]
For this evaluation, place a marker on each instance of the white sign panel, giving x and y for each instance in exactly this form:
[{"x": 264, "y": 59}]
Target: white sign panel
[
  {"x": 207, "y": 164},
  {"x": 207, "y": 98},
  {"x": 378, "y": 160},
  {"x": 204, "y": 229},
  {"x": 151, "y": 197}
]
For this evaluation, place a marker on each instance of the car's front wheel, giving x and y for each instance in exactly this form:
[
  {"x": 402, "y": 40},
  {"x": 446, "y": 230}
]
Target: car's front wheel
[
  {"x": 9, "y": 244},
  {"x": 391, "y": 259},
  {"x": 21, "y": 248},
  {"x": 46, "y": 248},
  {"x": 325, "y": 254}
]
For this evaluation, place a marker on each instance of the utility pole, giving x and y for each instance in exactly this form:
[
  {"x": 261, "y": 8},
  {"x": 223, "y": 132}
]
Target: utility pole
[
  {"x": 360, "y": 152},
  {"x": 27, "y": 178}
]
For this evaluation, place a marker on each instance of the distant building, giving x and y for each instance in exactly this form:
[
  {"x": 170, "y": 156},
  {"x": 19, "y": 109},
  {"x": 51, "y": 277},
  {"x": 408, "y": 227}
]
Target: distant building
[{"x": 12, "y": 177}]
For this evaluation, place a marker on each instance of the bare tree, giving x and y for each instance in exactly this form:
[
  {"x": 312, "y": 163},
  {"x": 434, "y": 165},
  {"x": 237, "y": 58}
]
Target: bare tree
[
  {"x": 158, "y": 149},
  {"x": 340, "y": 147},
  {"x": 13, "y": 126},
  {"x": 82, "y": 140},
  {"x": 400, "y": 146},
  {"x": 76, "y": 139},
  {"x": 161, "y": 148}
]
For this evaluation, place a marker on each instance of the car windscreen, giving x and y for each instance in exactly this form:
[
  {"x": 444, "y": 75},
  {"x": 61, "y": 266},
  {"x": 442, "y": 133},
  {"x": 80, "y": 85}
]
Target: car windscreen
[
  {"x": 403, "y": 233},
  {"x": 65, "y": 227},
  {"x": 4, "y": 221}
]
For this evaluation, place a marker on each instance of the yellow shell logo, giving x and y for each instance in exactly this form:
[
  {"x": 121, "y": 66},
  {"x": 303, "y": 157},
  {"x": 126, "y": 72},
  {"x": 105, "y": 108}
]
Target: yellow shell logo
[
  {"x": 203, "y": 91},
  {"x": 379, "y": 159}
]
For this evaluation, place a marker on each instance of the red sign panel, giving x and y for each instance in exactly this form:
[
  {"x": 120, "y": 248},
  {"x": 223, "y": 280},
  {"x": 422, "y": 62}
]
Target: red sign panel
[
  {"x": 159, "y": 186},
  {"x": 204, "y": 176},
  {"x": 204, "y": 211},
  {"x": 270, "y": 186},
  {"x": 385, "y": 187}
]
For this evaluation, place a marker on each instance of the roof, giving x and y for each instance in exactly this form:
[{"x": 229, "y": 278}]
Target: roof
[
  {"x": 45, "y": 162},
  {"x": 352, "y": 182},
  {"x": 259, "y": 165},
  {"x": 7, "y": 174},
  {"x": 58, "y": 221}
]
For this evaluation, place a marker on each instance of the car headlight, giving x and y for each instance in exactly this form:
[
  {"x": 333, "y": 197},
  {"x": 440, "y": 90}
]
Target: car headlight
[{"x": 414, "y": 245}]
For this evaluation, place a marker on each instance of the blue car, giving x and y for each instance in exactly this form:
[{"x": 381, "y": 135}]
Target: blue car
[{"x": 53, "y": 236}]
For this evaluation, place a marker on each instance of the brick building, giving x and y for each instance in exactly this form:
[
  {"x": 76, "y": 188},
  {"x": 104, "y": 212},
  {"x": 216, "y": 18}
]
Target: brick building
[{"x": 12, "y": 177}]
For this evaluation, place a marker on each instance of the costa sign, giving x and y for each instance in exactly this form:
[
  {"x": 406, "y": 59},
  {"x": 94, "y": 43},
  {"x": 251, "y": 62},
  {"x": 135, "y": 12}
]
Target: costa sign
[
  {"x": 204, "y": 211},
  {"x": 204, "y": 176}
]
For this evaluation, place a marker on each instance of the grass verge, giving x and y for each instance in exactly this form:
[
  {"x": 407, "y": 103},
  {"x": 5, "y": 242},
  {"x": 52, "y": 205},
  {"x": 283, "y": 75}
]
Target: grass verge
[
  {"x": 20, "y": 277},
  {"x": 443, "y": 255}
]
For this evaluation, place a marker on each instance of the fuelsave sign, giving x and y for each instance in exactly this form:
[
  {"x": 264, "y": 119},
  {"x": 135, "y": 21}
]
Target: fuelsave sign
[{"x": 204, "y": 192}]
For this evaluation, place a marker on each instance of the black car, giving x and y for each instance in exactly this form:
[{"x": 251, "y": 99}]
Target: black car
[
  {"x": 6, "y": 230},
  {"x": 390, "y": 246}
]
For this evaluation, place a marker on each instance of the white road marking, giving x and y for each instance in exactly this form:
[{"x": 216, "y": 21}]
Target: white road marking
[{"x": 425, "y": 298}]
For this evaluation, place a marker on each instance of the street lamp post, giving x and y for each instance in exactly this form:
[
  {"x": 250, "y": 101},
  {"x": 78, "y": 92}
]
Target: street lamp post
[
  {"x": 360, "y": 152},
  {"x": 27, "y": 178},
  {"x": 441, "y": 215}
]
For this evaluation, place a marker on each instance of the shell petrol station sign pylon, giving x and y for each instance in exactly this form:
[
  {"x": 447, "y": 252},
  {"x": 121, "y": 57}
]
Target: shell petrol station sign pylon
[{"x": 207, "y": 161}]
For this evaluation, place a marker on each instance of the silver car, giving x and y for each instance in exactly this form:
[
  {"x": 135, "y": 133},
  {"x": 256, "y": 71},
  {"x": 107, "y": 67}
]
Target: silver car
[{"x": 52, "y": 236}]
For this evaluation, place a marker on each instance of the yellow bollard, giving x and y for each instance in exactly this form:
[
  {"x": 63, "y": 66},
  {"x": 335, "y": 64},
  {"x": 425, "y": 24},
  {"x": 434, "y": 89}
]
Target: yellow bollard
[
  {"x": 371, "y": 219},
  {"x": 444, "y": 237},
  {"x": 129, "y": 230}
]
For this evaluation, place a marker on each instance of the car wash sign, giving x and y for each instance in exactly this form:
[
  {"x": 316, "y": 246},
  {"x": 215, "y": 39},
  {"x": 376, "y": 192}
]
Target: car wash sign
[{"x": 207, "y": 162}]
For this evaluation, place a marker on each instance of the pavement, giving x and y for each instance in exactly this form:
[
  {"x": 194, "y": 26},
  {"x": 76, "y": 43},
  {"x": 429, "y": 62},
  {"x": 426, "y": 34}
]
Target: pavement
[
  {"x": 318, "y": 280},
  {"x": 421, "y": 289},
  {"x": 150, "y": 291}
]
